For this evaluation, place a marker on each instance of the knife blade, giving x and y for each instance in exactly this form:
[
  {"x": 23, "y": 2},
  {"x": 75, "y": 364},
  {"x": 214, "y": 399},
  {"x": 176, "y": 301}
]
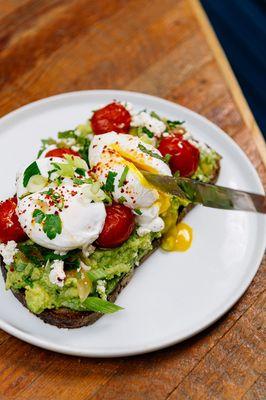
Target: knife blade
[{"x": 208, "y": 195}]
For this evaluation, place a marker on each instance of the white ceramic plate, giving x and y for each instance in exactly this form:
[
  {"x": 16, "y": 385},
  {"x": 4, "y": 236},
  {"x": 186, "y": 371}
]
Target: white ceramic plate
[{"x": 172, "y": 296}]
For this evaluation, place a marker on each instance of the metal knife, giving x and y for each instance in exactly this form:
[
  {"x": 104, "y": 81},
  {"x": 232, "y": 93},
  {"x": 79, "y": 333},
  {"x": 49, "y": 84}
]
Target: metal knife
[{"x": 208, "y": 195}]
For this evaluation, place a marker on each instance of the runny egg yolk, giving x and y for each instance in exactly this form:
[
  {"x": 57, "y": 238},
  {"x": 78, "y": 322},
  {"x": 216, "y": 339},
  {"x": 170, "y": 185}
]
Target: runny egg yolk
[
  {"x": 178, "y": 238},
  {"x": 134, "y": 163}
]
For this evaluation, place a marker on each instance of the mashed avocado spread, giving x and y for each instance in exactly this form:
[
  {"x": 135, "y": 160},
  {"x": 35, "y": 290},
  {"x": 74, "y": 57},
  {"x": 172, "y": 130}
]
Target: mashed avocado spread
[{"x": 32, "y": 265}]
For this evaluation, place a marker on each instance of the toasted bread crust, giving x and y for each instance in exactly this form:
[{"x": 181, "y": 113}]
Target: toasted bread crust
[{"x": 66, "y": 318}]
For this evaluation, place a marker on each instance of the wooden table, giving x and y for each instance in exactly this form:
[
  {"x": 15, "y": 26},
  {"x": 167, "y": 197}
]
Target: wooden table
[{"x": 166, "y": 48}]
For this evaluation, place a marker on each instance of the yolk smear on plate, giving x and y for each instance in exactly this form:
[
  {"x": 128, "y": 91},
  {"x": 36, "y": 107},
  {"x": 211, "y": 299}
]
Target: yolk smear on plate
[{"x": 178, "y": 238}]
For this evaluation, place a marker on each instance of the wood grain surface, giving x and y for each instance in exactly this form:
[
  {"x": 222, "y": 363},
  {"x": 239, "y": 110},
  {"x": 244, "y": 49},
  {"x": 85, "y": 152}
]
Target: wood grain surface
[{"x": 165, "y": 48}]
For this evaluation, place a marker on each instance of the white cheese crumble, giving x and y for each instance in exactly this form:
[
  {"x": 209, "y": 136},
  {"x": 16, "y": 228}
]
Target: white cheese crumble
[
  {"x": 84, "y": 266},
  {"x": 154, "y": 125},
  {"x": 88, "y": 250},
  {"x": 57, "y": 274},
  {"x": 8, "y": 251},
  {"x": 60, "y": 253},
  {"x": 101, "y": 288}
]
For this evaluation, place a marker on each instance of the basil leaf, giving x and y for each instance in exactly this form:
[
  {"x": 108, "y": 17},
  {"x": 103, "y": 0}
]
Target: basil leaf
[
  {"x": 38, "y": 215},
  {"x": 123, "y": 177},
  {"x": 52, "y": 225},
  {"x": 31, "y": 170},
  {"x": 109, "y": 184}
]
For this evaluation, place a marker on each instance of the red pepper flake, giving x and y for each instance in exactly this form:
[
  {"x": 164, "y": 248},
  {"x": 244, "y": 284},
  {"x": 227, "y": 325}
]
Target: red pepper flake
[
  {"x": 66, "y": 206},
  {"x": 56, "y": 212},
  {"x": 73, "y": 193},
  {"x": 11, "y": 269}
]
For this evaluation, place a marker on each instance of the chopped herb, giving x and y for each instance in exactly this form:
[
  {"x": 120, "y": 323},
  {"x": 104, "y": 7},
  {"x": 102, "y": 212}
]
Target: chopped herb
[
  {"x": 31, "y": 170},
  {"x": 66, "y": 134},
  {"x": 81, "y": 171},
  {"x": 150, "y": 153},
  {"x": 167, "y": 157},
  {"x": 147, "y": 131},
  {"x": 137, "y": 211},
  {"x": 77, "y": 181},
  {"x": 109, "y": 184},
  {"x": 123, "y": 177},
  {"x": 122, "y": 200},
  {"x": 173, "y": 124},
  {"x": 155, "y": 115},
  {"x": 38, "y": 216},
  {"x": 51, "y": 172},
  {"x": 52, "y": 225}
]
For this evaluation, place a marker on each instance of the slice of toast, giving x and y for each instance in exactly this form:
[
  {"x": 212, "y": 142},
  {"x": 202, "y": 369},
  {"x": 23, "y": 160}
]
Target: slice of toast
[{"x": 66, "y": 318}]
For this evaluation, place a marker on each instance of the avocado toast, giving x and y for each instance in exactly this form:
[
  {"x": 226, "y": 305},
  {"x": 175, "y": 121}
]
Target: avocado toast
[{"x": 73, "y": 284}]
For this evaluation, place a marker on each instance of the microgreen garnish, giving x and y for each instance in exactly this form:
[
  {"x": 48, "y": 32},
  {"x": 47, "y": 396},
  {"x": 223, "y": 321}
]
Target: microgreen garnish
[
  {"x": 52, "y": 224},
  {"x": 109, "y": 184},
  {"x": 147, "y": 131},
  {"x": 122, "y": 199},
  {"x": 31, "y": 170},
  {"x": 123, "y": 177},
  {"x": 151, "y": 153},
  {"x": 80, "y": 171},
  {"x": 167, "y": 158},
  {"x": 137, "y": 211}
]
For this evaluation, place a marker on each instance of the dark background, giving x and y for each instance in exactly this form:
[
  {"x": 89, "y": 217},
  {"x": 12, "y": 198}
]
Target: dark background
[{"x": 241, "y": 29}]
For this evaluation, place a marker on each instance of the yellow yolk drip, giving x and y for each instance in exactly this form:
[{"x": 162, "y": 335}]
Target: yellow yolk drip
[
  {"x": 133, "y": 162},
  {"x": 178, "y": 238}
]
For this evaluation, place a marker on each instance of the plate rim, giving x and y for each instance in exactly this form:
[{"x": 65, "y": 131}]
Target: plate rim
[{"x": 209, "y": 320}]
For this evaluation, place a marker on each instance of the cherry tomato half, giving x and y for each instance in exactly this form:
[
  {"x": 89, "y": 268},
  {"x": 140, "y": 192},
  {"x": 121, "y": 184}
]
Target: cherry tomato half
[
  {"x": 113, "y": 117},
  {"x": 184, "y": 156},
  {"x": 119, "y": 224},
  {"x": 61, "y": 152},
  {"x": 10, "y": 228}
]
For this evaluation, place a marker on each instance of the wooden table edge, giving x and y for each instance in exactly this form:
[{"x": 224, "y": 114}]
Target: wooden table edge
[{"x": 229, "y": 77}]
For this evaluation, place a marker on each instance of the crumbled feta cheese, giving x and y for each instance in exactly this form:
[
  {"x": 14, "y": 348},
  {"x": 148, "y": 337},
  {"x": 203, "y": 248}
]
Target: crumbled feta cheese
[
  {"x": 57, "y": 274},
  {"x": 154, "y": 125},
  {"x": 88, "y": 250},
  {"x": 8, "y": 251},
  {"x": 101, "y": 288},
  {"x": 84, "y": 266},
  {"x": 60, "y": 253}
]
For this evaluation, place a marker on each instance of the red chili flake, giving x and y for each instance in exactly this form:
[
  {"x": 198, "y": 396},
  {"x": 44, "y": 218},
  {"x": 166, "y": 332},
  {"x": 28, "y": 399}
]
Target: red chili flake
[
  {"x": 51, "y": 203},
  {"x": 56, "y": 212},
  {"x": 66, "y": 206},
  {"x": 73, "y": 193},
  {"x": 11, "y": 269}
]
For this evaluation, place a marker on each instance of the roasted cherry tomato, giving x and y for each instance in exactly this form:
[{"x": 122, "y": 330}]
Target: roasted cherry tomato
[
  {"x": 113, "y": 117},
  {"x": 119, "y": 224},
  {"x": 10, "y": 228},
  {"x": 184, "y": 156},
  {"x": 61, "y": 152}
]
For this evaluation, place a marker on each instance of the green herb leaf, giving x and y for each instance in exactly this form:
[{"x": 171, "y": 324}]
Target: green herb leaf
[
  {"x": 147, "y": 131},
  {"x": 150, "y": 153},
  {"x": 38, "y": 215},
  {"x": 155, "y": 115},
  {"x": 122, "y": 199},
  {"x": 167, "y": 157},
  {"x": 109, "y": 184},
  {"x": 137, "y": 211},
  {"x": 123, "y": 177},
  {"x": 52, "y": 225},
  {"x": 31, "y": 170},
  {"x": 80, "y": 171},
  {"x": 173, "y": 124},
  {"x": 66, "y": 134}
]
